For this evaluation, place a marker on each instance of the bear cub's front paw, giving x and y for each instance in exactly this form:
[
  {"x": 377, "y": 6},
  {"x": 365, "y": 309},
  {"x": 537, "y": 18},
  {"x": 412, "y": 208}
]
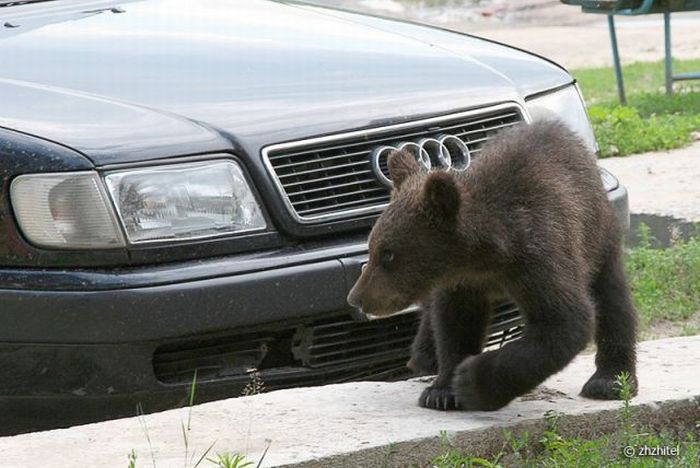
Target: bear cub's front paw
[
  {"x": 605, "y": 387},
  {"x": 438, "y": 398},
  {"x": 465, "y": 389}
]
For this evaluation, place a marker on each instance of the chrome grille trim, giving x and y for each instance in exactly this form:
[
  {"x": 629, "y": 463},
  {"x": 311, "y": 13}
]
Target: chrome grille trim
[{"x": 299, "y": 196}]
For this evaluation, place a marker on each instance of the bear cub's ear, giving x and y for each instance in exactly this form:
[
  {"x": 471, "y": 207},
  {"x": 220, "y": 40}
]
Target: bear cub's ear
[
  {"x": 441, "y": 197},
  {"x": 401, "y": 165}
]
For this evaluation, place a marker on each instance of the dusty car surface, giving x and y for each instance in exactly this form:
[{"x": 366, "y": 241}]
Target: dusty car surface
[{"x": 187, "y": 187}]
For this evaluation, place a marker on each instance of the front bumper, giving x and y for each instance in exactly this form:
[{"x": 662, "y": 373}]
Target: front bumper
[
  {"x": 619, "y": 200},
  {"x": 83, "y": 345}
]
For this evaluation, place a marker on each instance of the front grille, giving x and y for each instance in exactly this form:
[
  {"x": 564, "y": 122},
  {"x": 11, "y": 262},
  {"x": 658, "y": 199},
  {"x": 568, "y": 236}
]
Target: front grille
[
  {"x": 212, "y": 358},
  {"x": 332, "y": 177},
  {"x": 327, "y": 350},
  {"x": 338, "y": 342},
  {"x": 506, "y": 325}
]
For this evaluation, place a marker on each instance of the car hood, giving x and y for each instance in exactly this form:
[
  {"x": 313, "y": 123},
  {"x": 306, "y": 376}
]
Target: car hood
[{"x": 137, "y": 80}]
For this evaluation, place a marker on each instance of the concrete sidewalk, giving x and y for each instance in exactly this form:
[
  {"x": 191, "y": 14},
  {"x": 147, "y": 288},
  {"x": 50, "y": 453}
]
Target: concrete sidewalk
[
  {"x": 362, "y": 424},
  {"x": 665, "y": 183}
]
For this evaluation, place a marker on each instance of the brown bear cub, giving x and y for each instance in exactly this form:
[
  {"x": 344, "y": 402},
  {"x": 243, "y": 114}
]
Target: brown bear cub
[{"x": 529, "y": 218}]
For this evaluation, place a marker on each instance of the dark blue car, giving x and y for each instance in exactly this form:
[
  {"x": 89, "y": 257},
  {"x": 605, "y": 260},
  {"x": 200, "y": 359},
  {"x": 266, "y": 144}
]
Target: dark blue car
[{"x": 188, "y": 187}]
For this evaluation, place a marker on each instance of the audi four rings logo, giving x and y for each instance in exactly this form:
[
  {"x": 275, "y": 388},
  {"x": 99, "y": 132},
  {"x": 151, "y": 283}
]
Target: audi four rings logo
[{"x": 443, "y": 152}]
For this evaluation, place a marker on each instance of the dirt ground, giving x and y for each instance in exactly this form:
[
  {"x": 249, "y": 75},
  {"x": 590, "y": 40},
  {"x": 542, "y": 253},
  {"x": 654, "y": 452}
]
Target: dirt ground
[
  {"x": 549, "y": 28},
  {"x": 669, "y": 329}
]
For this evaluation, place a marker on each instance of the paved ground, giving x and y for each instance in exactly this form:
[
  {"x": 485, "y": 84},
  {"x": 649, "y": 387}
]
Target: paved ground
[
  {"x": 550, "y": 28},
  {"x": 588, "y": 45},
  {"x": 663, "y": 183},
  {"x": 374, "y": 422}
]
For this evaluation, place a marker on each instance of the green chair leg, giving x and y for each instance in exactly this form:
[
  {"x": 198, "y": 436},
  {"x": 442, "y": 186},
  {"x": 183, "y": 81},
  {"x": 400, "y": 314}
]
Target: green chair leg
[
  {"x": 616, "y": 61},
  {"x": 668, "y": 57}
]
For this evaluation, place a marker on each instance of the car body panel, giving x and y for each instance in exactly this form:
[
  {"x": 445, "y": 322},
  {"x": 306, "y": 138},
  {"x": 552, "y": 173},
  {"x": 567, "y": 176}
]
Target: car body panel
[
  {"x": 100, "y": 128},
  {"x": 529, "y": 73},
  {"x": 123, "y": 87}
]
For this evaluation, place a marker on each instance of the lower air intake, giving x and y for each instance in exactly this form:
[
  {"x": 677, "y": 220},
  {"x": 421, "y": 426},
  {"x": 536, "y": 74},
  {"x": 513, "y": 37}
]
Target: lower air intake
[{"x": 328, "y": 350}]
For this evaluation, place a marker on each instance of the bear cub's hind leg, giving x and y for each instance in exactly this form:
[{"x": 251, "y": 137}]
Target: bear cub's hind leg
[
  {"x": 459, "y": 317},
  {"x": 616, "y": 322},
  {"x": 423, "y": 355}
]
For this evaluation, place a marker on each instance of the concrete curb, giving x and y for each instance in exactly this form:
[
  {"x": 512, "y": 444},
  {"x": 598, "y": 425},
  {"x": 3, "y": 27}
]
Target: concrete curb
[
  {"x": 368, "y": 423},
  {"x": 677, "y": 415}
]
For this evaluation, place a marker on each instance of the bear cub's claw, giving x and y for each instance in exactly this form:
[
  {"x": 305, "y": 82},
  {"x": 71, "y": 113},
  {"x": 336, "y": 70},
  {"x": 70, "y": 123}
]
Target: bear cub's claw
[
  {"x": 438, "y": 398},
  {"x": 605, "y": 387}
]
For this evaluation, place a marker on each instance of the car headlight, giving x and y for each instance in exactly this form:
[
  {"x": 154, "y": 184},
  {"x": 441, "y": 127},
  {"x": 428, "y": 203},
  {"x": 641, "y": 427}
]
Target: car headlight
[
  {"x": 68, "y": 210},
  {"x": 72, "y": 210},
  {"x": 184, "y": 201},
  {"x": 566, "y": 105}
]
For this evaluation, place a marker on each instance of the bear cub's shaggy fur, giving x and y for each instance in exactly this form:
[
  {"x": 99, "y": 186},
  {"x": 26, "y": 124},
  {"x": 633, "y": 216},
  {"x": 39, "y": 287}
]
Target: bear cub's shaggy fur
[{"x": 529, "y": 219}]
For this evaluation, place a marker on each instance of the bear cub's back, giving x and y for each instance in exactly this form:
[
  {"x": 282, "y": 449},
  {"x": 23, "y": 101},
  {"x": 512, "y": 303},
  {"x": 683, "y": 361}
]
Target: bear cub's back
[{"x": 542, "y": 182}]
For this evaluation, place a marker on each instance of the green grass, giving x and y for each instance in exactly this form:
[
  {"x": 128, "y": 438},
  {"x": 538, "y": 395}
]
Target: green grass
[
  {"x": 553, "y": 450},
  {"x": 665, "y": 283},
  {"x": 598, "y": 84},
  {"x": 652, "y": 120},
  {"x": 230, "y": 460}
]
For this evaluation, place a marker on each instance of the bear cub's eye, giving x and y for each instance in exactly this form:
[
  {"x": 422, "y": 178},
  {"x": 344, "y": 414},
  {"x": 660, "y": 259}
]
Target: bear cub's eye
[{"x": 387, "y": 258}]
